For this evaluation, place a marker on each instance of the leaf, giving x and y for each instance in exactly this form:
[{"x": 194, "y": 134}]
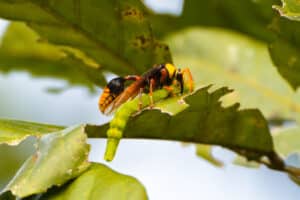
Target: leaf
[
  {"x": 284, "y": 50},
  {"x": 99, "y": 183},
  {"x": 290, "y": 9},
  {"x": 226, "y": 58},
  {"x": 117, "y": 35},
  {"x": 12, "y": 157},
  {"x": 252, "y": 18},
  {"x": 239, "y": 160},
  {"x": 21, "y": 50},
  {"x": 294, "y": 160},
  {"x": 59, "y": 157},
  {"x": 203, "y": 121},
  {"x": 12, "y": 132},
  {"x": 286, "y": 144},
  {"x": 287, "y": 141},
  {"x": 7, "y": 196},
  {"x": 247, "y": 17},
  {"x": 205, "y": 152}
]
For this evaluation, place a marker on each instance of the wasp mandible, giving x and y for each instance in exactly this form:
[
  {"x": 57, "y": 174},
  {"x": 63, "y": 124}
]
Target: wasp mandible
[{"x": 160, "y": 76}]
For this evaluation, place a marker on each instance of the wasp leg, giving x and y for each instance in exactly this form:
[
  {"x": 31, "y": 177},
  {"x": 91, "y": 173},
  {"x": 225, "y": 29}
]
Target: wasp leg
[
  {"x": 136, "y": 78},
  {"x": 140, "y": 98},
  {"x": 132, "y": 78},
  {"x": 170, "y": 89},
  {"x": 190, "y": 78},
  {"x": 152, "y": 84}
]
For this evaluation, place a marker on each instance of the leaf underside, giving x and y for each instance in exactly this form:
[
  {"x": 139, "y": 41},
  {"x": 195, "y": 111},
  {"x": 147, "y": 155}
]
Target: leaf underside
[
  {"x": 59, "y": 157},
  {"x": 243, "y": 65},
  {"x": 121, "y": 42},
  {"x": 12, "y": 132},
  {"x": 99, "y": 183},
  {"x": 257, "y": 19}
]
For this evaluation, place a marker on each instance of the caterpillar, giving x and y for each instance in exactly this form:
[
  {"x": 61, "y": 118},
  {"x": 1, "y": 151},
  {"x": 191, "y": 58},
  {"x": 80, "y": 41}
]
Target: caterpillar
[{"x": 122, "y": 115}]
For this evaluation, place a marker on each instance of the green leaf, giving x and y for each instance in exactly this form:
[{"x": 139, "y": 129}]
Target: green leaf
[
  {"x": 7, "y": 196},
  {"x": 248, "y": 17},
  {"x": 287, "y": 141},
  {"x": 59, "y": 157},
  {"x": 117, "y": 35},
  {"x": 99, "y": 183},
  {"x": 252, "y": 18},
  {"x": 203, "y": 121},
  {"x": 242, "y": 161},
  {"x": 205, "y": 152},
  {"x": 287, "y": 144},
  {"x": 289, "y": 9},
  {"x": 285, "y": 49},
  {"x": 21, "y": 50},
  {"x": 12, "y": 157},
  {"x": 12, "y": 132},
  {"x": 226, "y": 58}
]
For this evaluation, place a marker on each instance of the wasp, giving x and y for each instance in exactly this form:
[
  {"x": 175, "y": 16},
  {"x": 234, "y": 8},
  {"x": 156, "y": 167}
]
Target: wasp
[{"x": 160, "y": 76}]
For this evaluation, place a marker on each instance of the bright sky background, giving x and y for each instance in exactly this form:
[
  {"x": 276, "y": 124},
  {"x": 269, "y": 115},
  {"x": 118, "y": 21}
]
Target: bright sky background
[{"x": 168, "y": 170}]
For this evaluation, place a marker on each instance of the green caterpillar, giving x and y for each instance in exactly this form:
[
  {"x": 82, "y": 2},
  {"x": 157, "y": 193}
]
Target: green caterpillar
[{"x": 118, "y": 123}]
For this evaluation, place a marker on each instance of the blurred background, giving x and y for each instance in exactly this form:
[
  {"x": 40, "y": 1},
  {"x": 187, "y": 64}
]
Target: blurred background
[{"x": 168, "y": 170}]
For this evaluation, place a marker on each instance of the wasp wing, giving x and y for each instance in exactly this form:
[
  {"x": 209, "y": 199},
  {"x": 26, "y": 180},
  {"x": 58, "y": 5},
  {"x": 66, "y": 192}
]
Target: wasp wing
[{"x": 129, "y": 93}]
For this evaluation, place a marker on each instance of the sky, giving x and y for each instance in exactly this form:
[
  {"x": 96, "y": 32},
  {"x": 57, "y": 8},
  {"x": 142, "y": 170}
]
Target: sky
[{"x": 168, "y": 170}]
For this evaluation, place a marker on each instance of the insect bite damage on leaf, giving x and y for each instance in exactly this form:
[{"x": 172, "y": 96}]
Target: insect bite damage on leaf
[
  {"x": 142, "y": 42},
  {"x": 131, "y": 13}
]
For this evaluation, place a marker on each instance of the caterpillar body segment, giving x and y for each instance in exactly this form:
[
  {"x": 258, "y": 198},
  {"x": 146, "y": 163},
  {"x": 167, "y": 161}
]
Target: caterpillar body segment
[{"x": 122, "y": 115}]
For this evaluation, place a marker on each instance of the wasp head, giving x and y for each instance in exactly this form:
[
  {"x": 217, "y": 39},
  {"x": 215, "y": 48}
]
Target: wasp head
[{"x": 116, "y": 86}]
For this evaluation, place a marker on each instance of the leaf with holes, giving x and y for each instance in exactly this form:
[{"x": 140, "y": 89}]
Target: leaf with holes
[
  {"x": 116, "y": 35},
  {"x": 201, "y": 120}
]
